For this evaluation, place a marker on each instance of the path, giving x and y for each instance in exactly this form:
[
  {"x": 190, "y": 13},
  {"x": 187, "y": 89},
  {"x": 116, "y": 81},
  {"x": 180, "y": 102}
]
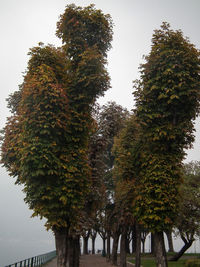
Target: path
[{"x": 89, "y": 261}]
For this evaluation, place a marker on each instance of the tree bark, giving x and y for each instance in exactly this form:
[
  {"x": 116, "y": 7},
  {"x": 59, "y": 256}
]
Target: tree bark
[
  {"x": 93, "y": 235},
  {"x": 182, "y": 251},
  {"x": 108, "y": 246},
  {"x": 73, "y": 251},
  {"x": 143, "y": 245},
  {"x": 93, "y": 244},
  {"x": 115, "y": 247},
  {"x": 77, "y": 251},
  {"x": 85, "y": 245},
  {"x": 159, "y": 250},
  {"x": 127, "y": 244},
  {"x": 170, "y": 241},
  {"x": 103, "y": 235},
  {"x": 123, "y": 248},
  {"x": 61, "y": 239},
  {"x": 104, "y": 247},
  {"x": 85, "y": 242},
  {"x": 152, "y": 244},
  {"x": 138, "y": 246},
  {"x": 134, "y": 239}
]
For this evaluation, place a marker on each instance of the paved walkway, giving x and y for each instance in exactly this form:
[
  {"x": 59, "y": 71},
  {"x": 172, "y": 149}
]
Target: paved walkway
[{"x": 89, "y": 261}]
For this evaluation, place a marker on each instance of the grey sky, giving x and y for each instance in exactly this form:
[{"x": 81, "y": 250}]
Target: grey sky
[{"x": 24, "y": 23}]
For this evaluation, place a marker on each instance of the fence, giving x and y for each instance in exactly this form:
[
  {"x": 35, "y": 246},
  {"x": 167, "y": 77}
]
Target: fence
[{"x": 34, "y": 261}]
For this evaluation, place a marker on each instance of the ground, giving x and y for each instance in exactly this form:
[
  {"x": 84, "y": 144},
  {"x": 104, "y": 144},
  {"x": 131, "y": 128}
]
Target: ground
[{"x": 89, "y": 261}]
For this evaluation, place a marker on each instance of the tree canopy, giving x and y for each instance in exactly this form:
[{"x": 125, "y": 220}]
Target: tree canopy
[{"x": 167, "y": 102}]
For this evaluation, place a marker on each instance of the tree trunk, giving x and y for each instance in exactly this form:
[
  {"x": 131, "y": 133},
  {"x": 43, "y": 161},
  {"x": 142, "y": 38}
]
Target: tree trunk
[
  {"x": 152, "y": 244},
  {"x": 93, "y": 235},
  {"x": 85, "y": 245},
  {"x": 85, "y": 235},
  {"x": 108, "y": 246},
  {"x": 127, "y": 244},
  {"x": 93, "y": 244},
  {"x": 159, "y": 250},
  {"x": 138, "y": 246},
  {"x": 182, "y": 251},
  {"x": 77, "y": 251},
  {"x": 73, "y": 251},
  {"x": 70, "y": 262},
  {"x": 104, "y": 247},
  {"x": 143, "y": 245},
  {"x": 61, "y": 239},
  {"x": 115, "y": 247},
  {"x": 170, "y": 241},
  {"x": 134, "y": 239},
  {"x": 123, "y": 248}
]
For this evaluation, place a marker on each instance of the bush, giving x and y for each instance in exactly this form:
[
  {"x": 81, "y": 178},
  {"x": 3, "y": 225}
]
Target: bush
[{"x": 192, "y": 263}]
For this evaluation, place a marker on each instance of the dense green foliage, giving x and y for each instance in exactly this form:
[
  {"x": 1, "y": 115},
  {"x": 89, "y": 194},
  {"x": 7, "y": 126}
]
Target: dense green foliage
[
  {"x": 112, "y": 119},
  {"x": 126, "y": 149},
  {"x": 84, "y": 28},
  {"x": 167, "y": 102},
  {"x": 46, "y": 140}
]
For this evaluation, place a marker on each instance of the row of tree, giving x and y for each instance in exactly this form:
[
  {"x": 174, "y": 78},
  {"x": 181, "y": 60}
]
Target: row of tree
[
  {"x": 150, "y": 150},
  {"x": 115, "y": 213},
  {"x": 186, "y": 224},
  {"x": 90, "y": 169}
]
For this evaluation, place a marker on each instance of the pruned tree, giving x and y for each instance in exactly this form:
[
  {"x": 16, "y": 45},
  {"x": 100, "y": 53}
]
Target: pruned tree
[
  {"x": 167, "y": 102},
  {"x": 126, "y": 149},
  {"x": 45, "y": 142},
  {"x": 111, "y": 119}
]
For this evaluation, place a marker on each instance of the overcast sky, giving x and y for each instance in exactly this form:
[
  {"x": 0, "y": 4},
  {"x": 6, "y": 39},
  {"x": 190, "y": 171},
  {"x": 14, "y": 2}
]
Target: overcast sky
[{"x": 24, "y": 23}]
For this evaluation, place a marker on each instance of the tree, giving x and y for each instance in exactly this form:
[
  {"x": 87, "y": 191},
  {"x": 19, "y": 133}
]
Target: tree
[
  {"x": 188, "y": 217},
  {"x": 45, "y": 142},
  {"x": 144, "y": 234},
  {"x": 126, "y": 148},
  {"x": 94, "y": 198},
  {"x": 111, "y": 121},
  {"x": 167, "y": 102},
  {"x": 170, "y": 240}
]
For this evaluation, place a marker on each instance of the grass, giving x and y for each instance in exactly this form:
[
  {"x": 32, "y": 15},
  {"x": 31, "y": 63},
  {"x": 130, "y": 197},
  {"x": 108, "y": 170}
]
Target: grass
[
  {"x": 147, "y": 260},
  {"x": 151, "y": 263}
]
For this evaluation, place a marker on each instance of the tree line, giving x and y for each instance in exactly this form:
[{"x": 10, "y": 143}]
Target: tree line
[{"x": 89, "y": 169}]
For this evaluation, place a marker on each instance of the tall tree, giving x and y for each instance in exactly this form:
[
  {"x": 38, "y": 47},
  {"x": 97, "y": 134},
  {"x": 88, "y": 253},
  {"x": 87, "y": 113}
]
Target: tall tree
[
  {"x": 167, "y": 102},
  {"x": 127, "y": 152},
  {"x": 111, "y": 120},
  {"x": 46, "y": 141}
]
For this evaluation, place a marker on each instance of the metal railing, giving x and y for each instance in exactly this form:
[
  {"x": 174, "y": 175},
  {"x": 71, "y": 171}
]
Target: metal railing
[{"x": 35, "y": 261}]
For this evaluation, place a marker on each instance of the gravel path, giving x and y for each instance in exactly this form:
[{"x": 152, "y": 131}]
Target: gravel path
[
  {"x": 89, "y": 261},
  {"x": 96, "y": 261}
]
